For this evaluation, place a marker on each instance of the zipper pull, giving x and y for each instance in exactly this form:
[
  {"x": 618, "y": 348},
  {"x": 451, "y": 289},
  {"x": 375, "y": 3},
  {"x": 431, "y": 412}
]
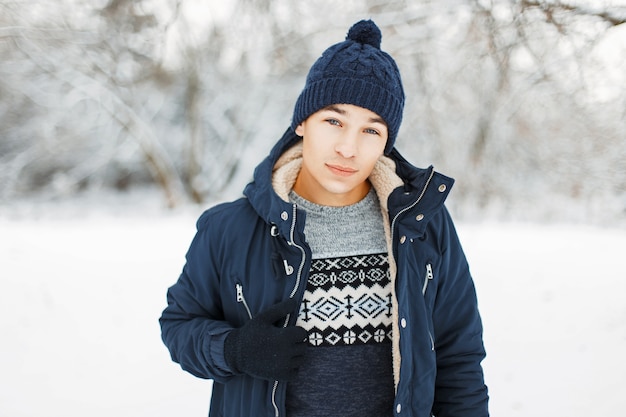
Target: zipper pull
[
  {"x": 239, "y": 293},
  {"x": 429, "y": 276},
  {"x": 288, "y": 268},
  {"x": 242, "y": 299}
]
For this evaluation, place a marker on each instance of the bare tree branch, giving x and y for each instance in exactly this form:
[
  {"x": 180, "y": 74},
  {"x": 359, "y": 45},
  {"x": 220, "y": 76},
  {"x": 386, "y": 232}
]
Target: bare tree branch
[{"x": 614, "y": 17}]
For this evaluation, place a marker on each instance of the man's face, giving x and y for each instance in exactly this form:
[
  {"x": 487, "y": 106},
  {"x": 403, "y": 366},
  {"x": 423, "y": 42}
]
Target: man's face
[{"x": 341, "y": 144}]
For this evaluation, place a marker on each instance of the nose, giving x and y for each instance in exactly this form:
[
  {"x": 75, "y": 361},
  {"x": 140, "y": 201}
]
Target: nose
[{"x": 346, "y": 144}]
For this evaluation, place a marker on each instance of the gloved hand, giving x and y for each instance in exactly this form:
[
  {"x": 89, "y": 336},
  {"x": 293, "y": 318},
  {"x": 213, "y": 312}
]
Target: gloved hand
[{"x": 264, "y": 350}]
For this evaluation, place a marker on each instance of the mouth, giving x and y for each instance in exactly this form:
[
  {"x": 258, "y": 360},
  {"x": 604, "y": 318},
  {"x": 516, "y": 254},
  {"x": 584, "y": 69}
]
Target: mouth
[{"x": 341, "y": 170}]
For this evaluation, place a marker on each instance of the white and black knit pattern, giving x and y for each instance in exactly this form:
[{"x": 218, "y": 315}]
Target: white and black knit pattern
[
  {"x": 348, "y": 295},
  {"x": 348, "y": 301}
]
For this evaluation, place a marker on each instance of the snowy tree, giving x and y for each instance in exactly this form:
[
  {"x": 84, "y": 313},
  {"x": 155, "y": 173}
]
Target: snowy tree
[{"x": 522, "y": 101}]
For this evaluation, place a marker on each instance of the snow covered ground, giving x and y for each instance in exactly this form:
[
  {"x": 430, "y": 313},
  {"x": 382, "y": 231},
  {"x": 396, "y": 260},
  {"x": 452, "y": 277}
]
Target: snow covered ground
[{"x": 83, "y": 287}]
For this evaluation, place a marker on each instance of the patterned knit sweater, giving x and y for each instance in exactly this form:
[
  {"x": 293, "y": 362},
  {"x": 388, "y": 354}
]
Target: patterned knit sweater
[{"x": 346, "y": 311}]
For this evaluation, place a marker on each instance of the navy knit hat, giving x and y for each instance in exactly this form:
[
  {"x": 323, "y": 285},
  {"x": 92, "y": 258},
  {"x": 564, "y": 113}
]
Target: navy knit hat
[{"x": 356, "y": 72}]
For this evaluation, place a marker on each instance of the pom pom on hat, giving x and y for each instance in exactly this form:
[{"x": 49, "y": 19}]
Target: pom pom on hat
[
  {"x": 365, "y": 32},
  {"x": 356, "y": 72}
]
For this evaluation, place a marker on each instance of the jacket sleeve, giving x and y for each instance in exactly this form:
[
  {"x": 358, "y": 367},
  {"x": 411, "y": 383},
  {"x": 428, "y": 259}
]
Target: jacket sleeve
[
  {"x": 460, "y": 390},
  {"x": 192, "y": 325}
]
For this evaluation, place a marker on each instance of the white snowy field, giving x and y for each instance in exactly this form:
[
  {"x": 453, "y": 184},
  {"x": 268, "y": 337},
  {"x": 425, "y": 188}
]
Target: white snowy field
[{"x": 83, "y": 288}]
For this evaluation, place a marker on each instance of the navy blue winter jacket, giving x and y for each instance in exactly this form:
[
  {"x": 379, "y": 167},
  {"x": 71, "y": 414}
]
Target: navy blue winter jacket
[{"x": 250, "y": 254}]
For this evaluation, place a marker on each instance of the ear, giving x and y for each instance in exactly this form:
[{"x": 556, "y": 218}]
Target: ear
[{"x": 300, "y": 130}]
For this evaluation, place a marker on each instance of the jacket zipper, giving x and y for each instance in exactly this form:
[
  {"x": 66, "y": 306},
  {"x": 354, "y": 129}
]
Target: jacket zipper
[
  {"x": 242, "y": 299},
  {"x": 293, "y": 292},
  {"x": 429, "y": 276},
  {"x": 393, "y": 226}
]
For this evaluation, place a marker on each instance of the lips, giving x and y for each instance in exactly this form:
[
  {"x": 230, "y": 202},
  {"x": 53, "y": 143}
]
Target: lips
[{"x": 341, "y": 170}]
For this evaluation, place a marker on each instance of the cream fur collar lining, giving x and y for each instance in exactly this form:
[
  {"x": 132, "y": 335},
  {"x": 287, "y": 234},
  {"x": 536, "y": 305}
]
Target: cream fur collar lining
[{"x": 384, "y": 180}]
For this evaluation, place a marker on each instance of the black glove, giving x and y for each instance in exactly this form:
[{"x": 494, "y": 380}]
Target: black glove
[{"x": 263, "y": 350}]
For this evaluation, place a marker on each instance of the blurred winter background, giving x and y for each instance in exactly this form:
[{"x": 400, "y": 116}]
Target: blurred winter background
[{"x": 121, "y": 120}]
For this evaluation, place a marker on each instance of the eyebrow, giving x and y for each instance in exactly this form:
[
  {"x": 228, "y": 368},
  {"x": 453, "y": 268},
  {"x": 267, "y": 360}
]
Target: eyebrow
[{"x": 341, "y": 111}]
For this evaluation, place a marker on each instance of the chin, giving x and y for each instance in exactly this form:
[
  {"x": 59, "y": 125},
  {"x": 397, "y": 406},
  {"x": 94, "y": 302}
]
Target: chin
[{"x": 339, "y": 189}]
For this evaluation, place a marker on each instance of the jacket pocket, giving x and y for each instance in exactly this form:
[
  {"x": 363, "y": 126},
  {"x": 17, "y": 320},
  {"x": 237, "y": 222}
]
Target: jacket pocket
[{"x": 429, "y": 276}]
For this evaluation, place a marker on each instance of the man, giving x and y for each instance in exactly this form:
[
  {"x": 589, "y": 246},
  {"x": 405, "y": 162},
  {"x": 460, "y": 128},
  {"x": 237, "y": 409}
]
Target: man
[{"x": 338, "y": 286}]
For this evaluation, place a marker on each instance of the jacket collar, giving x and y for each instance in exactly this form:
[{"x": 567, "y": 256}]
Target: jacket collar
[{"x": 262, "y": 196}]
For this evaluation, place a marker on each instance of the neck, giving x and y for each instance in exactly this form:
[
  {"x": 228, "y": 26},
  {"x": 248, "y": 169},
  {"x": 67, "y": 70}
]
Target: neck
[{"x": 317, "y": 195}]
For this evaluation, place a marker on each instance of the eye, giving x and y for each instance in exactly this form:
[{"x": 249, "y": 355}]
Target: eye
[
  {"x": 333, "y": 122},
  {"x": 372, "y": 131}
]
